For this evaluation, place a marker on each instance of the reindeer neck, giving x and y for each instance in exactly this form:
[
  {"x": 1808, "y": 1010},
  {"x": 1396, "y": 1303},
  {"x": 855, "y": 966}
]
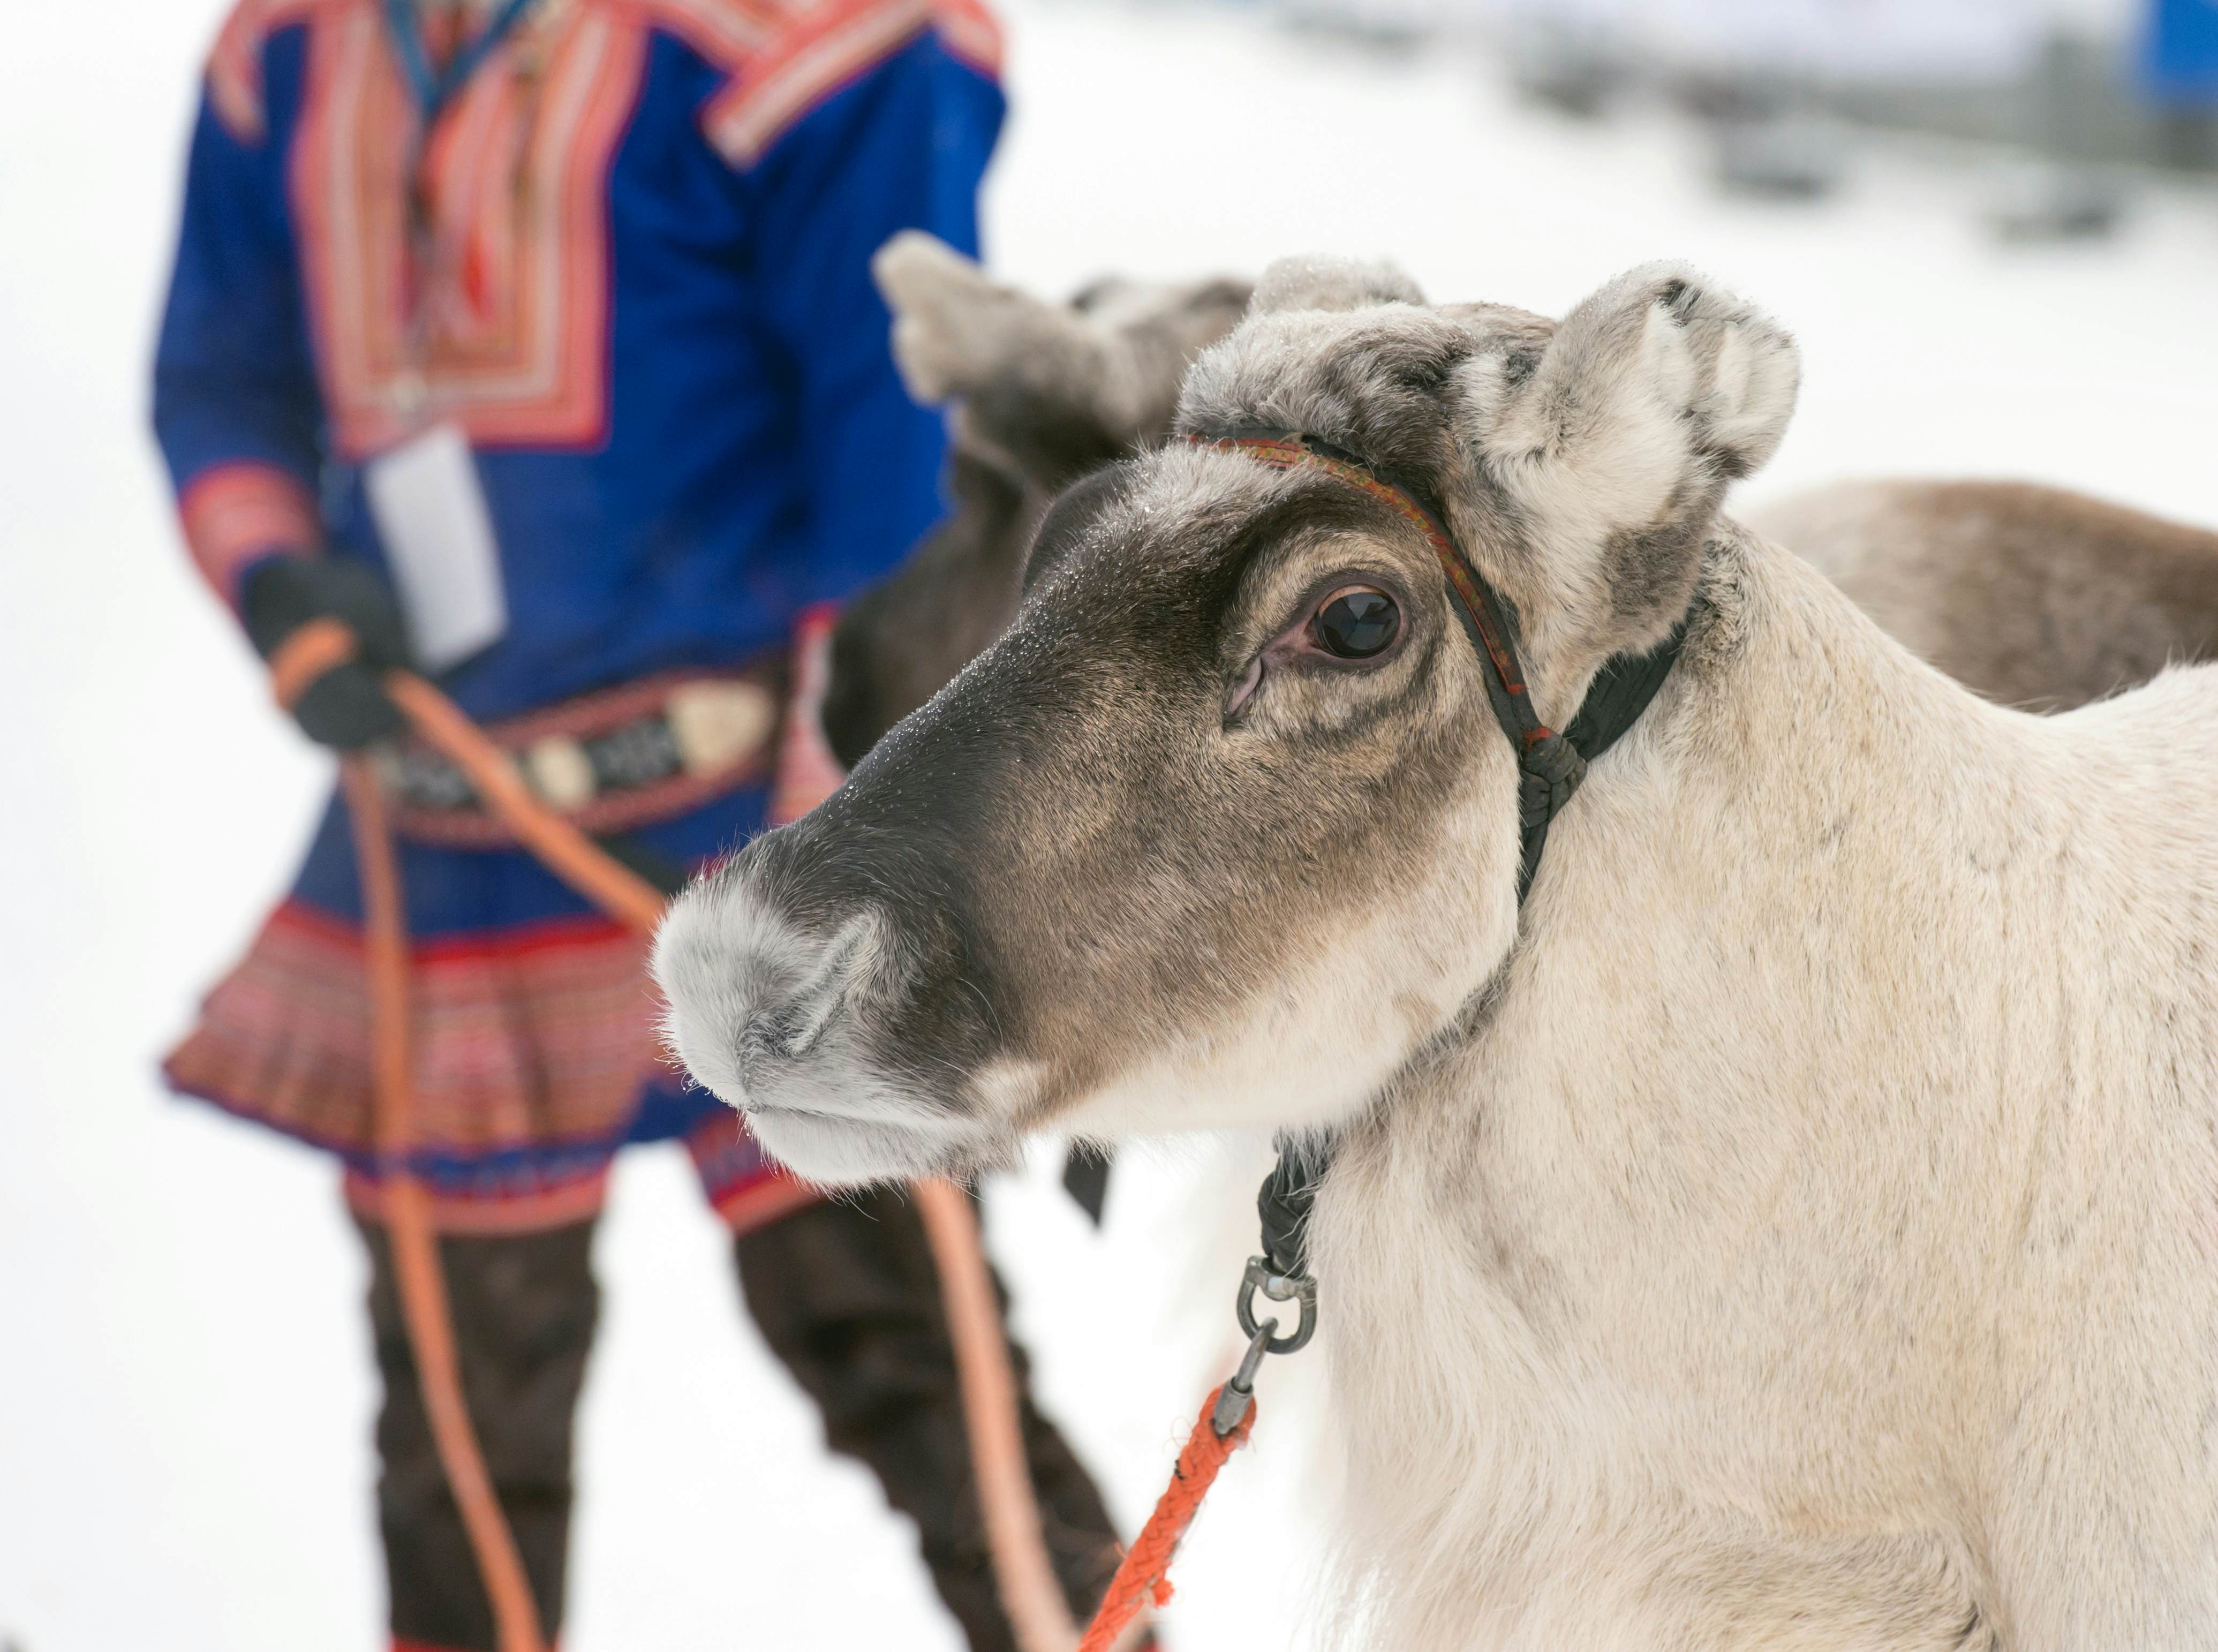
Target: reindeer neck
[
  {"x": 1787, "y": 819},
  {"x": 1522, "y": 1249},
  {"x": 1721, "y": 1205}
]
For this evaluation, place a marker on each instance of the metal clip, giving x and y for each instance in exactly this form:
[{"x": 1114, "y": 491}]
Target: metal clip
[
  {"x": 1280, "y": 1288},
  {"x": 1239, "y": 1390}
]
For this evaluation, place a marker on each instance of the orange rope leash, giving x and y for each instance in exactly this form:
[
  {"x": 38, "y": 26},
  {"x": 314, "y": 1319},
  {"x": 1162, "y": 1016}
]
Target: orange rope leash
[
  {"x": 306, "y": 655},
  {"x": 1145, "y": 1578},
  {"x": 1031, "y": 1594},
  {"x": 409, "y": 1230},
  {"x": 565, "y": 851}
]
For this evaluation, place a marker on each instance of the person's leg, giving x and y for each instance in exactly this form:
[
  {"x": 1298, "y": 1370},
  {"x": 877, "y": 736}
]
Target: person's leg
[
  {"x": 524, "y": 1308},
  {"x": 847, "y": 1296}
]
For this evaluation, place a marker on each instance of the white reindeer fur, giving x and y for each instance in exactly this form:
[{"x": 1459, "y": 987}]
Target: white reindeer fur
[
  {"x": 1808, "y": 1237},
  {"x": 1811, "y": 1241},
  {"x": 1835, "y": 1154}
]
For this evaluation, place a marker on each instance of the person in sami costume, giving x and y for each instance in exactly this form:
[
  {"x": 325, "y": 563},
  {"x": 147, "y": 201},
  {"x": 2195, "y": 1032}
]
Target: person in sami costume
[{"x": 536, "y": 341}]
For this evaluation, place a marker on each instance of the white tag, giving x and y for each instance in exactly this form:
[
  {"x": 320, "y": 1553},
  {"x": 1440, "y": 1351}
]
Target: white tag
[{"x": 438, "y": 539}]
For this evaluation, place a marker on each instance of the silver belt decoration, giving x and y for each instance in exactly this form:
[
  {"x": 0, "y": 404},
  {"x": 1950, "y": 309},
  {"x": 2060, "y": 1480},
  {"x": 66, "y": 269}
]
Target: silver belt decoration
[{"x": 701, "y": 729}]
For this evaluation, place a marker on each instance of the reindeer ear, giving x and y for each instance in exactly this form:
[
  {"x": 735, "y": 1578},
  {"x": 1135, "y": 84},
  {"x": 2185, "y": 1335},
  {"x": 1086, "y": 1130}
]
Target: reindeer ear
[
  {"x": 954, "y": 329},
  {"x": 1053, "y": 390},
  {"x": 1320, "y": 283},
  {"x": 1618, "y": 442}
]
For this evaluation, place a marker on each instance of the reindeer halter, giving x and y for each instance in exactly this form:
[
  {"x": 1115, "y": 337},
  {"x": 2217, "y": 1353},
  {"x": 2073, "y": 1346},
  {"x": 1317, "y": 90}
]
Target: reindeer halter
[
  {"x": 1550, "y": 766},
  {"x": 1549, "y": 763}
]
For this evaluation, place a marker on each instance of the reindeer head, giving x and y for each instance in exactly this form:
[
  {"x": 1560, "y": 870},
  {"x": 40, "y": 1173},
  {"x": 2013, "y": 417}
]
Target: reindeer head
[{"x": 1224, "y": 826}]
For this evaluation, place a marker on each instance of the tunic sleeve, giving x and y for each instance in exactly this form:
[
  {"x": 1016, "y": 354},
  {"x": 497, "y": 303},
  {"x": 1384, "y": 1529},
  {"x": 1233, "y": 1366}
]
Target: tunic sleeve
[
  {"x": 236, "y": 409},
  {"x": 902, "y": 145}
]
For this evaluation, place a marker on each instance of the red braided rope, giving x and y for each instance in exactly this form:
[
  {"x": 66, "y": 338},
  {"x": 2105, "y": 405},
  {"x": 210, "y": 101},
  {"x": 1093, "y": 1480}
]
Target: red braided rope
[{"x": 1145, "y": 1578}]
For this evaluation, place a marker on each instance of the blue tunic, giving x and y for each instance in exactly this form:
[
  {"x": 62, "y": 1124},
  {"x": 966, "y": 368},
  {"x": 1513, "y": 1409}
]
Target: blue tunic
[{"x": 632, "y": 267}]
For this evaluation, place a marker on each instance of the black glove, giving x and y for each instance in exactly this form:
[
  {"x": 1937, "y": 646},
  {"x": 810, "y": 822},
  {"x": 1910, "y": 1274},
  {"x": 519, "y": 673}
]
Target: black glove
[{"x": 345, "y": 708}]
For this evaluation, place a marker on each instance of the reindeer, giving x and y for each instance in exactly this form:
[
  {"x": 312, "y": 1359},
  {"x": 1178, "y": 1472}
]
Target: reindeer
[
  {"x": 2037, "y": 597},
  {"x": 1791, "y": 1222},
  {"x": 2034, "y": 596}
]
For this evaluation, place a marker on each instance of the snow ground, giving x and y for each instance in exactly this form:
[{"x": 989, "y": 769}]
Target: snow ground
[{"x": 184, "y": 1399}]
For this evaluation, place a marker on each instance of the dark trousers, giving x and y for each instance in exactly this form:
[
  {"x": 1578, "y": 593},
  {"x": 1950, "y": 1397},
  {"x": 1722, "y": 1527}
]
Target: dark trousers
[{"x": 846, "y": 1296}]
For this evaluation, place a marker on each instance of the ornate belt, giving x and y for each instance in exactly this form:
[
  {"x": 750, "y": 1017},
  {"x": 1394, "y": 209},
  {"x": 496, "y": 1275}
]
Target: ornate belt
[{"x": 610, "y": 761}]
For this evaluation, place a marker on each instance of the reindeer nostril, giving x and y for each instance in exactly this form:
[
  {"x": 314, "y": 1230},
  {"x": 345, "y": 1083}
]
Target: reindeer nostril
[
  {"x": 792, "y": 1030},
  {"x": 768, "y": 1036}
]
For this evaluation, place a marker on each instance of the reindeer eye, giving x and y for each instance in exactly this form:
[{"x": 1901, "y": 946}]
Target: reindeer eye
[{"x": 1356, "y": 623}]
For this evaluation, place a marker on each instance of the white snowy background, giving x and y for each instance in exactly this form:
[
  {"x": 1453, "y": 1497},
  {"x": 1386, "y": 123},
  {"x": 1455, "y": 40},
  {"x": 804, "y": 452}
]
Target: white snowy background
[{"x": 184, "y": 1380}]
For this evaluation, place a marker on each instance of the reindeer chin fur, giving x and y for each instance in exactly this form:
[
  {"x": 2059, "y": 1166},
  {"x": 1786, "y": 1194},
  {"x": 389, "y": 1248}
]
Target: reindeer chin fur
[{"x": 842, "y": 1150}]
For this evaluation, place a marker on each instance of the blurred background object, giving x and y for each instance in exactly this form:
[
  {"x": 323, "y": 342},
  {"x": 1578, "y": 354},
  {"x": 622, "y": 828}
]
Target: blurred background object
[
  {"x": 2049, "y": 107},
  {"x": 2178, "y": 66}
]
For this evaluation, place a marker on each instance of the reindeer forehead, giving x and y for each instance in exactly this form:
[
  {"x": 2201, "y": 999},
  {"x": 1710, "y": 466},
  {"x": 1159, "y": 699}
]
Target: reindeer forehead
[
  {"x": 1201, "y": 514},
  {"x": 1382, "y": 380},
  {"x": 1189, "y": 495},
  {"x": 1161, "y": 520},
  {"x": 1175, "y": 533}
]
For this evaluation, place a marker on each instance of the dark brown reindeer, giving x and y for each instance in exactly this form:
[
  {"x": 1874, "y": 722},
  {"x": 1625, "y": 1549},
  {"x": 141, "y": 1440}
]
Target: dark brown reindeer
[
  {"x": 1044, "y": 394},
  {"x": 1790, "y": 1226},
  {"x": 2033, "y": 595}
]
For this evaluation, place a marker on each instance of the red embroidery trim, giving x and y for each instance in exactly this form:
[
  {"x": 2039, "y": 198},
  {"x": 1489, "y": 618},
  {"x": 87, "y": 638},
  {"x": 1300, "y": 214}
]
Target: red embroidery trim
[{"x": 235, "y": 514}]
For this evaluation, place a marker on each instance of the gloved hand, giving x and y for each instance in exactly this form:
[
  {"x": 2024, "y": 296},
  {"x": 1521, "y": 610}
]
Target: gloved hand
[{"x": 345, "y": 708}]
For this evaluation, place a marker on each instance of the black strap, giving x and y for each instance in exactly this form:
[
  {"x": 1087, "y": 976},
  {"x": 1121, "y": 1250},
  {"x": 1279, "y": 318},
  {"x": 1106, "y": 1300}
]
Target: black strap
[
  {"x": 1550, "y": 765},
  {"x": 1619, "y": 693},
  {"x": 1285, "y": 1199}
]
